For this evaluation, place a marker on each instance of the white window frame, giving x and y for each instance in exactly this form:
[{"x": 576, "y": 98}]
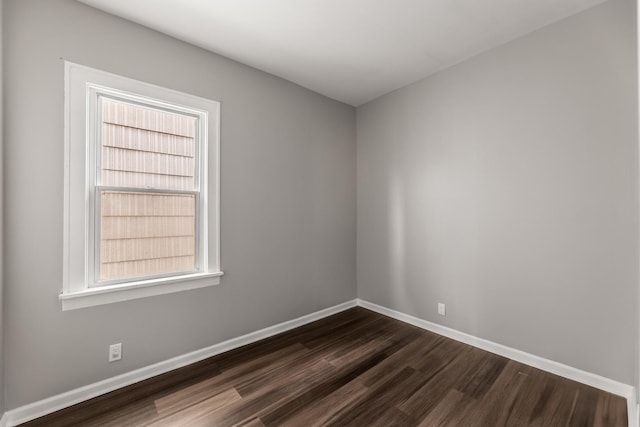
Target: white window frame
[
  {"x": 94, "y": 93},
  {"x": 83, "y": 87}
]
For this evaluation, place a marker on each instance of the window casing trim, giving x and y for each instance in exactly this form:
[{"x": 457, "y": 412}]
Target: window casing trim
[
  {"x": 131, "y": 290},
  {"x": 83, "y": 86}
]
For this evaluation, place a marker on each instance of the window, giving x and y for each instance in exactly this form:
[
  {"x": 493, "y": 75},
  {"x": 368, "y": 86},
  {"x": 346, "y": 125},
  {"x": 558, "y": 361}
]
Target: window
[{"x": 141, "y": 189}]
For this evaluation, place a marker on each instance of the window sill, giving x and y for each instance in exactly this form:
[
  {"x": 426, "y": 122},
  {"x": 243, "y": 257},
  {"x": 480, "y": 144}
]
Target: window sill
[{"x": 141, "y": 289}]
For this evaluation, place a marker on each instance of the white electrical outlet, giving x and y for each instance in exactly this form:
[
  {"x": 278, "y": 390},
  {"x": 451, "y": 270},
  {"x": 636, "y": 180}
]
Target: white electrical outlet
[
  {"x": 442, "y": 309},
  {"x": 115, "y": 352}
]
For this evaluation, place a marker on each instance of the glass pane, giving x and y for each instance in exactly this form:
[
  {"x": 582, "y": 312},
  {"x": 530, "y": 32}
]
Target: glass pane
[
  {"x": 145, "y": 234},
  {"x": 146, "y": 148}
]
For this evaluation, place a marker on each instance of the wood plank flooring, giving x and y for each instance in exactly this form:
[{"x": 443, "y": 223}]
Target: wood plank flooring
[{"x": 356, "y": 368}]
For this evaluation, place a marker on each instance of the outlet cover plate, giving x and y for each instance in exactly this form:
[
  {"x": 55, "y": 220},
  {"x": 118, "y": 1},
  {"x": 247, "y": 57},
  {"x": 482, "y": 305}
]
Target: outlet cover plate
[{"x": 115, "y": 352}]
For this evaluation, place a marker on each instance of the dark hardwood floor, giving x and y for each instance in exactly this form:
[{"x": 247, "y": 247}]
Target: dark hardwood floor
[{"x": 356, "y": 368}]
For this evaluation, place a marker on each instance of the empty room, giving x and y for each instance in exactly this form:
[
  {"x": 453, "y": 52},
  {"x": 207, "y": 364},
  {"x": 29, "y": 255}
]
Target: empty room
[{"x": 319, "y": 212}]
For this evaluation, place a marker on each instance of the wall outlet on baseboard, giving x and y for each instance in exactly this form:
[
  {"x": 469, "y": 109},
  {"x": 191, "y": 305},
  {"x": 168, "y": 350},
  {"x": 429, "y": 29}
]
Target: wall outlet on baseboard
[
  {"x": 442, "y": 311},
  {"x": 115, "y": 352}
]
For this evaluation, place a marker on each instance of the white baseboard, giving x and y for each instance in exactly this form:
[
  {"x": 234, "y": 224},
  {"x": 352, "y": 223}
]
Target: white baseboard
[
  {"x": 55, "y": 403},
  {"x": 633, "y": 410},
  {"x": 593, "y": 380},
  {"x": 46, "y": 406}
]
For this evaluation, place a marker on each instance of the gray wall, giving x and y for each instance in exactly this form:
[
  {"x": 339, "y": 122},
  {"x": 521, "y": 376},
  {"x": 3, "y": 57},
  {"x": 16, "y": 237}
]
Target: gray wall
[
  {"x": 288, "y": 202},
  {"x": 506, "y": 187}
]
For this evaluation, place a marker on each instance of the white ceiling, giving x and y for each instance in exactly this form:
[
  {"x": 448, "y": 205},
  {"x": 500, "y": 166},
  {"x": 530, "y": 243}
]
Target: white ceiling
[{"x": 349, "y": 50}]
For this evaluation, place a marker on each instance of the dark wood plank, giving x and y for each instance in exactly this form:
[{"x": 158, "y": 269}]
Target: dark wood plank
[
  {"x": 449, "y": 411},
  {"x": 272, "y": 395},
  {"x": 259, "y": 367},
  {"x": 111, "y": 402},
  {"x": 356, "y": 368},
  {"x": 377, "y": 401},
  {"x": 610, "y": 411},
  {"x": 497, "y": 405},
  {"x": 196, "y": 412},
  {"x": 442, "y": 378},
  {"x": 585, "y": 408},
  {"x": 330, "y": 384},
  {"x": 535, "y": 383},
  {"x": 555, "y": 404},
  {"x": 481, "y": 377},
  {"x": 319, "y": 413}
]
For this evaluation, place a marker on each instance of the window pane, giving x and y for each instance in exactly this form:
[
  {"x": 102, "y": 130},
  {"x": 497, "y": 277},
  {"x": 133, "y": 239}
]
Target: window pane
[
  {"x": 145, "y": 234},
  {"x": 146, "y": 148}
]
